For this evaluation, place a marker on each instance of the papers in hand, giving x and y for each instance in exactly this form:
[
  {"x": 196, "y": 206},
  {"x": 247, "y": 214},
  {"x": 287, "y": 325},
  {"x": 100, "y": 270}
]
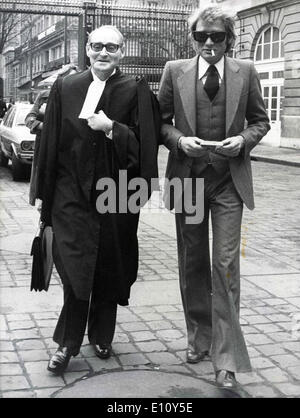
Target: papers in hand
[{"x": 211, "y": 143}]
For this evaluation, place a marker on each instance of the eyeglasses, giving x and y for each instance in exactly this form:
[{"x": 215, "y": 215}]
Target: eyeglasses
[
  {"x": 216, "y": 37},
  {"x": 98, "y": 46}
]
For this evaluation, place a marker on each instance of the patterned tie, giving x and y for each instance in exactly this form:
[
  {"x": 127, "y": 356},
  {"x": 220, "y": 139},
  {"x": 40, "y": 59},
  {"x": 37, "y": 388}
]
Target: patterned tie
[{"x": 212, "y": 82}]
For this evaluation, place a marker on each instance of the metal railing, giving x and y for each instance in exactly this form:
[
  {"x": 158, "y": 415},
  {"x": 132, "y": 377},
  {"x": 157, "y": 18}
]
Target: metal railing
[{"x": 153, "y": 36}]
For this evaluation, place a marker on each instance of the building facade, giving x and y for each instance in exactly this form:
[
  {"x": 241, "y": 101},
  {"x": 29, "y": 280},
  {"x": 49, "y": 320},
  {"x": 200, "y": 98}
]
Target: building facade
[
  {"x": 269, "y": 34},
  {"x": 44, "y": 43}
]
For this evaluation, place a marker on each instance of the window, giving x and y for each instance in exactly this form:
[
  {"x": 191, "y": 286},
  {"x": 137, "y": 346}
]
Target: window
[
  {"x": 46, "y": 22},
  {"x": 269, "y": 45},
  {"x": 273, "y": 97},
  {"x": 269, "y": 62},
  {"x": 56, "y": 53},
  {"x": 264, "y": 76}
]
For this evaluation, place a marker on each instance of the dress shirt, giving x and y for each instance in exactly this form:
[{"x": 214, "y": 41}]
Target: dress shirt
[{"x": 203, "y": 67}]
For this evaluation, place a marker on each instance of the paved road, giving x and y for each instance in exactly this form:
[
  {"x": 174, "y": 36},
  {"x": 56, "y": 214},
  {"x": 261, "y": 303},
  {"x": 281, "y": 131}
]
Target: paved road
[{"x": 150, "y": 332}]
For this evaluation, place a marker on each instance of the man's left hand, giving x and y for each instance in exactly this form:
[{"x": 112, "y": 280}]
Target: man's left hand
[
  {"x": 231, "y": 147},
  {"x": 100, "y": 122}
]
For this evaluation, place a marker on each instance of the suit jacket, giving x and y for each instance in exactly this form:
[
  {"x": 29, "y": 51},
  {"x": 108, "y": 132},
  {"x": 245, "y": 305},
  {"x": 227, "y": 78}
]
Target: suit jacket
[{"x": 244, "y": 102}]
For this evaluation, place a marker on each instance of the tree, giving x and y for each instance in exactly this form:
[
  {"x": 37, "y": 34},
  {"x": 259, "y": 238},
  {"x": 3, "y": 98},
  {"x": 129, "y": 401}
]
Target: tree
[{"x": 9, "y": 23}]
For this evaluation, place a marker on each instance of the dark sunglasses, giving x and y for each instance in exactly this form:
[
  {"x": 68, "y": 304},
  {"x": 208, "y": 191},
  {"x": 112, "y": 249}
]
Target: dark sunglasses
[
  {"x": 98, "y": 46},
  {"x": 202, "y": 37}
]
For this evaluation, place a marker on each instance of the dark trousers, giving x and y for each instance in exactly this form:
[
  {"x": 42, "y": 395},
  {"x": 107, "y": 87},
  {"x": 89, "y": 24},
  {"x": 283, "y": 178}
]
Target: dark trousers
[
  {"x": 100, "y": 315},
  {"x": 211, "y": 296}
]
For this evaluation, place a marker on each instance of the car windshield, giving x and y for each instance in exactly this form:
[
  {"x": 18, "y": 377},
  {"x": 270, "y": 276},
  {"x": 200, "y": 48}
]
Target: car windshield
[{"x": 21, "y": 115}]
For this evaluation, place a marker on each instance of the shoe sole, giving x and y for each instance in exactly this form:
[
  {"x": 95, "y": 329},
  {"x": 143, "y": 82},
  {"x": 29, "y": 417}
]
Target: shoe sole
[
  {"x": 57, "y": 372},
  {"x": 234, "y": 385},
  {"x": 103, "y": 357},
  {"x": 195, "y": 361},
  {"x": 226, "y": 387}
]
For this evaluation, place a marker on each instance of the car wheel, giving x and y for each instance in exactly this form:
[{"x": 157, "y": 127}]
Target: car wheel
[
  {"x": 19, "y": 170},
  {"x": 3, "y": 159}
]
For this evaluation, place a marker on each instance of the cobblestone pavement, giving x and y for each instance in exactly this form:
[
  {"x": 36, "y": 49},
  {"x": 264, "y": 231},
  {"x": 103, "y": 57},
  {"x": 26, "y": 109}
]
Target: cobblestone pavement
[{"x": 150, "y": 334}]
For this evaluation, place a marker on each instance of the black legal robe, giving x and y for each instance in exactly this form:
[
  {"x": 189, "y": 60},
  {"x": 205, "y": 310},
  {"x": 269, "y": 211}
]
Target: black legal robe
[{"x": 72, "y": 158}]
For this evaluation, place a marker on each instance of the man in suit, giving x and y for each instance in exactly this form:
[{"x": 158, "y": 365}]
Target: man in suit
[
  {"x": 93, "y": 130},
  {"x": 209, "y": 98}
]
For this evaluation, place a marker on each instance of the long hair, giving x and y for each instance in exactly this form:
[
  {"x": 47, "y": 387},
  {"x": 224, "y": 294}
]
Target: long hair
[{"x": 210, "y": 15}]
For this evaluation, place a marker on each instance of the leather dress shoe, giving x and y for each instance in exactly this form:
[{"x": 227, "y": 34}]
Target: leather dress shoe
[
  {"x": 59, "y": 361},
  {"x": 194, "y": 357},
  {"x": 226, "y": 379},
  {"x": 103, "y": 351}
]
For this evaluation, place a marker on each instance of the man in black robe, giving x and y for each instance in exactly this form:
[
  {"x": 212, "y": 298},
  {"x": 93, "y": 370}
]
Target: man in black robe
[{"x": 97, "y": 124}]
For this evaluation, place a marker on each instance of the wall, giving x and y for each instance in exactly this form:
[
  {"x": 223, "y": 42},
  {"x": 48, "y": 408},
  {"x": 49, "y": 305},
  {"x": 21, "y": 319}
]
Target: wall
[{"x": 286, "y": 16}]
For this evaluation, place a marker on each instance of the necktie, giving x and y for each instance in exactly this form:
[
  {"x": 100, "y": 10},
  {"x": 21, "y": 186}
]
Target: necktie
[{"x": 212, "y": 82}]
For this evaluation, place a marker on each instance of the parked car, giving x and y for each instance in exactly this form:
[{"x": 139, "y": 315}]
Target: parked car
[{"x": 16, "y": 141}]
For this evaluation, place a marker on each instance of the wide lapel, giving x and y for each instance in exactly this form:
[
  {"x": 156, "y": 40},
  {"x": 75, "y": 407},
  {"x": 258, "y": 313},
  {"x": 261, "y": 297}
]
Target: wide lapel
[
  {"x": 234, "y": 85},
  {"x": 187, "y": 91},
  {"x": 79, "y": 93},
  {"x": 107, "y": 89},
  {"x": 83, "y": 82}
]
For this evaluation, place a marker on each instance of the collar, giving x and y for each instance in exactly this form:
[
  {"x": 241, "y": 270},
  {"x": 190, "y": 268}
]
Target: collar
[
  {"x": 203, "y": 66},
  {"x": 97, "y": 79}
]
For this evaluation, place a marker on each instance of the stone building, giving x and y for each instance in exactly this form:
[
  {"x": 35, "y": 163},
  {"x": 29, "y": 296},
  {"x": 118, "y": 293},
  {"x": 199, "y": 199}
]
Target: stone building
[
  {"x": 43, "y": 44},
  {"x": 269, "y": 34}
]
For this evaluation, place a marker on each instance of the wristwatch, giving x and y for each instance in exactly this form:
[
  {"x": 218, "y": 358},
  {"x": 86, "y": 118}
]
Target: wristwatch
[{"x": 179, "y": 143}]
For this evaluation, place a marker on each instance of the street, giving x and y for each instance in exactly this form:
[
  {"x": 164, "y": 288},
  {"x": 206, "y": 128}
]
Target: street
[{"x": 150, "y": 336}]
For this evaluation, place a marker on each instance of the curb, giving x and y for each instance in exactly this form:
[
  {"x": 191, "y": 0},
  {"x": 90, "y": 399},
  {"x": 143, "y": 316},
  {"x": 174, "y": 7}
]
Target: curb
[{"x": 275, "y": 161}]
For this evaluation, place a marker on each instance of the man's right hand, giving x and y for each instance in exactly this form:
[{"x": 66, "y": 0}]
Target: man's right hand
[{"x": 190, "y": 145}]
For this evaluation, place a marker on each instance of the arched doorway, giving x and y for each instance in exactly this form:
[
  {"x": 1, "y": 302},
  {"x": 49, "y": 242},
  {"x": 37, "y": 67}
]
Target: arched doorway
[{"x": 269, "y": 62}]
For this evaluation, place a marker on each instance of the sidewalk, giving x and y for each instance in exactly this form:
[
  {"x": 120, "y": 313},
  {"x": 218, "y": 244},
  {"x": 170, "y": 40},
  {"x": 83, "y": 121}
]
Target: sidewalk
[
  {"x": 276, "y": 155},
  {"x": 150, "y": 341}
]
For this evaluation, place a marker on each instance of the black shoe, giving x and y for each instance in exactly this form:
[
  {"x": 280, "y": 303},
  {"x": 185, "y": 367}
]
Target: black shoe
[
  {"x": 59, "y": 361},
  {"x": 194, "y": 357},
  {"x": 225, "y": 379},
  {"x": 103, "y": 351}
]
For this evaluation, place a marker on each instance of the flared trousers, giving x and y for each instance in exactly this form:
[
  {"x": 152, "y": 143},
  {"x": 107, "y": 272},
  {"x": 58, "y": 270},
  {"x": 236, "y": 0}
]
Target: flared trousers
[{"x": 210, "y": 286}]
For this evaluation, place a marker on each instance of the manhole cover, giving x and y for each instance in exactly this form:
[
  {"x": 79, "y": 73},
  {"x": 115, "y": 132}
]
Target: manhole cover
[{"x": 143, "y": 384}]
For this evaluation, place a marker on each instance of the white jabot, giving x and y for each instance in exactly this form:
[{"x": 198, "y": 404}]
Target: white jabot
[
  {"x": 93, "y": 96},
  {"x": 203, "y": 67}
]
